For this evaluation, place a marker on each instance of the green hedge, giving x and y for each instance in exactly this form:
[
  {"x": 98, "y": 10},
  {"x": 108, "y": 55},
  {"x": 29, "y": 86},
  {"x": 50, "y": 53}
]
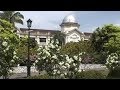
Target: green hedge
[
  {"x": 114, "y": 74},
  {"x": 91, "y": 74},
  {"x": 39, "y": 77}
]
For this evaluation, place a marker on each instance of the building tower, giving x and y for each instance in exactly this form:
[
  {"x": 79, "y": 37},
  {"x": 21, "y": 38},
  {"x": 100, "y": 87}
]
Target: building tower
[{"x": 69, "y": 23}]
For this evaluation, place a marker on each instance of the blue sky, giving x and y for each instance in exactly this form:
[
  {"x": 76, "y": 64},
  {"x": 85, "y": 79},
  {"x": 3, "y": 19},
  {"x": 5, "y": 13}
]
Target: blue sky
[{"x": 88, "y": 20}]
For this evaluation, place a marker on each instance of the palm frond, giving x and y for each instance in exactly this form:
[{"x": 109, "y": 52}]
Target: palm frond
[{"x": 19, "y": 21}]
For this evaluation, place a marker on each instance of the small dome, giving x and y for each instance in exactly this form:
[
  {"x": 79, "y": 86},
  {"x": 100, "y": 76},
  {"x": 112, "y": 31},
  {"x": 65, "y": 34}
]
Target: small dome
[{"x": 69, "y": 19}]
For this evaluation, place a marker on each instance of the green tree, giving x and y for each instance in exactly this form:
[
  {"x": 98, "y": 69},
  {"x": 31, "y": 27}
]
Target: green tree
[
  {"x": 105, "y": 41},
  {"x": 60, "y": 37},
  {"x": 8, "y": 43},
  {"x": 56, "y": 64},
  {"x": 12, "y": 16},
  {"x": 74, "y": 48},
  {"x": 101, "y": 36},
  {"x": 22, "y": 49}
]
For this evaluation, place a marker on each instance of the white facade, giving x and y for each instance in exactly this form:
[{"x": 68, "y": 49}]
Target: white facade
[
  {"x": 74, "y": 37},
  {"x": 69, "y": 27}
]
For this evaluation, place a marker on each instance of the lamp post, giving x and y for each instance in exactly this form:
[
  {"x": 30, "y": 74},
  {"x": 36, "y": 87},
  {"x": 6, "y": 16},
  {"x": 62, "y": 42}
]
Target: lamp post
[{"x": 29, "y": 22}]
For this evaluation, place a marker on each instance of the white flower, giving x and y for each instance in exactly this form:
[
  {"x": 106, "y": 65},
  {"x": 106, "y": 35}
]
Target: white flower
[
  {"x": 57, "y": 42},
  {"x": 12, "y": 60},
  {"x": 58, "y": 72},
  {"x": 74, "y": 64},
  {"x": 52, "y": 41},
  {"x": 80, "y": 54},
  {"x": 80, "y": 59},
  {"x": 62, "y": 75},
  {"x": 112, "y": 61},
  {"x": 38, "y": 58},
  {"x": 83, "y": 69},
  {"x": 14, "y": 52},
  {"x": 67, "y": 57},
  {"x": 47, "y": 53},
  {"x": 64, "y": 67},
  {"x": 76, "y": 69},
  {"x": 43, "y": 57},
  {"x": 55, "y": 70},
  {"x": 61, "y": 63},
  {"x": 52, "y": 60},
  {"x": 56, "y": 45},
  {"x": 46, "y": 47},
  {"x": 116, "y": 61},
  {"x": 18, "y": 65},
  {"x": 10, "y": 71},
  {"x": 75, "y": 57},
  {"x": 65, "y": 73},
  {"x": 70, "y": 60},
  {"x": 79, "y": 70},
  {"x": 67, "y": 65},
  {"x": 54, "y": 57},
  {"x": 36, "y": 61},
  {"x": 5, "y": 43},
  {"x": 4, "y": 50},
  {"x": 33, "y": 64},
  {"x": 51, "y": 45},
  {"x": 58, "y": 49},
  {"x": 7, "y": 48}
]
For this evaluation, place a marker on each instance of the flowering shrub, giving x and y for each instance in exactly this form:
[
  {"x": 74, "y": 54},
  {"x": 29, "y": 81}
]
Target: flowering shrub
[
  {"x": 112, "y": 61},
  {"x": 8, "y": 43},
  {"x": 56, "y": 64}
]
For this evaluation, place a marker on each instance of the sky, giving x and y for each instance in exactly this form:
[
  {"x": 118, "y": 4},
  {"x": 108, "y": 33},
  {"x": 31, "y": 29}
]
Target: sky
[{"x": 88, "y": 20}]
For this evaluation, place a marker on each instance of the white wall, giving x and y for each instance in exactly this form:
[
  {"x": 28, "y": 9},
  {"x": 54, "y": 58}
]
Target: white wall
[
  {"x": 74, "y": 37},
  {"x": 67, "y": 29}
]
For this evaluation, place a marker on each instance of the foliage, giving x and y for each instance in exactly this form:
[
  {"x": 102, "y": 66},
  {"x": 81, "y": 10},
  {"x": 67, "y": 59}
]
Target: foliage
[
  {"x": 12, "y": 17},
  {"x": 60, "y": 37},
  {"x": 105, "y": 41},
  {"x": 101, "y": 36},
  {"x": 8, "y": 43},
  {"x": 91, "y": 74},
  {"x": 57, "y": 64},
  {"x": 74, "y": 48},
  {"x": 39, "y": 77},
  {"x": 114, "y": 74},
  {"x": 112, "y": 61},
  {"x": 99, "y": 58},
  {"x": 22, "y": 50}
]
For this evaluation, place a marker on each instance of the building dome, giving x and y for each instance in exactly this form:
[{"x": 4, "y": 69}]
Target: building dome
[{"x": 69, "y": 19}]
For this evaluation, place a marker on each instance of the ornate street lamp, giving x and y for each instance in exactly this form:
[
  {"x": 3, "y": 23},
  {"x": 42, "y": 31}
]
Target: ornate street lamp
[{"x": 29, "y": 23}]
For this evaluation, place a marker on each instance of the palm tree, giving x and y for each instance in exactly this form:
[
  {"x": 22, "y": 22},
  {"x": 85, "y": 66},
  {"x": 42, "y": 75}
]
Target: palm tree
[{"x": 12, "y": 16}]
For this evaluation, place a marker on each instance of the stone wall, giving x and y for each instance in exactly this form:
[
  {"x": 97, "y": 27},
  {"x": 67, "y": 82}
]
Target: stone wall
[{"x": 23, "y": 69}]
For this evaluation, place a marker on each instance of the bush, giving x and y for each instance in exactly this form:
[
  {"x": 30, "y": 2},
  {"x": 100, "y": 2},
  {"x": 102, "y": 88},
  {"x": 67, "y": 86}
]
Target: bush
[
  {"x": 114, "y": 74},
  {"x": 92, "y": 74}
]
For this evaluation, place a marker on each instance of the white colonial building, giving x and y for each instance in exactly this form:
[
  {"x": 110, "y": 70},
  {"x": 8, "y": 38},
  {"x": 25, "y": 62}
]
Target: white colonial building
[{"x": 69, "y": 26}]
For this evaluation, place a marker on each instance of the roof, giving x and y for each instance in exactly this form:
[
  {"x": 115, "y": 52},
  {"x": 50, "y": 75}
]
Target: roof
[
  {"x": 73, "y": 31},
  {"x": 69, "y": 18},
  {"x": 42, "y": 30}
]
